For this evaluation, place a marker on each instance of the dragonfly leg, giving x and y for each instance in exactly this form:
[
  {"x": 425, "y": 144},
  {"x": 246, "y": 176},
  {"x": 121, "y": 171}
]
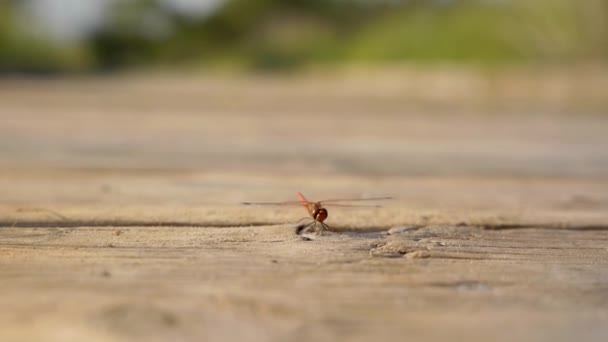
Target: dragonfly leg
[
  {"x": 303, "y": 218},
  {"x": 313, "y": 225},
  {"x": 323, "y": 228},
  {"x": 300, "y": 228}
]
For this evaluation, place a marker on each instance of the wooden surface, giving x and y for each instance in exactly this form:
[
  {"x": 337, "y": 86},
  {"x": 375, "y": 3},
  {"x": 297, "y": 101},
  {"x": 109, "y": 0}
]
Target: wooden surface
[{"x": 120, "y": 216}]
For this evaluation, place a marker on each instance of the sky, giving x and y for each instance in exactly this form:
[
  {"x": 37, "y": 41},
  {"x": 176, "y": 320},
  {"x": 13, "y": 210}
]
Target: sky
[{"x": 71, "y": 20}]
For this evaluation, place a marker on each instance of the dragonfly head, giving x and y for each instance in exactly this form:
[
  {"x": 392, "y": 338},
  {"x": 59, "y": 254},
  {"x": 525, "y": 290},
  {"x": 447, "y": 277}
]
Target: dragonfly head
[{"x": 320, "y": 214}]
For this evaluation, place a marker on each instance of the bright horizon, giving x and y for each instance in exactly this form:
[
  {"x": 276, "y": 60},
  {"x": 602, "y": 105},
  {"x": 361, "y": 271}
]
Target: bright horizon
[{"x": 72, "y": 20}]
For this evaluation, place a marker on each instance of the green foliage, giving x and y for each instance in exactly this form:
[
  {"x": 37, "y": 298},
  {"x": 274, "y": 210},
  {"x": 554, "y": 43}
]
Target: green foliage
[
  {"x": 24, "y": 52},
  {"x": 266, "y": 34},
  {"x": 561, "y": 30},
  {"x": 288, "y": 34}
]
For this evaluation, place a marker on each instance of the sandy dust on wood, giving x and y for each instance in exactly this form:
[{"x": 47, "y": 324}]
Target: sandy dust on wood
[{"x": 265, "y": 283}]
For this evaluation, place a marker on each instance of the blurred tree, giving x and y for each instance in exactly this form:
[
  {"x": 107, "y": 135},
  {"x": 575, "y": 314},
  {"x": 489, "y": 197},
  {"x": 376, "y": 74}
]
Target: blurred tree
[
  {"x": 24, "y": 51},
  {"x": 561, "y": 30},
  {"x": 287, "y": 34},
  {"x": 262, "y": 33}
]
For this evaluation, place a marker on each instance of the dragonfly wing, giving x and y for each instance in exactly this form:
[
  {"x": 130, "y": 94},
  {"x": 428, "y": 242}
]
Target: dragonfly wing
[
  {"x": 273, "y": 203},
  {"x": 356, "y": 199},
  {"x": 334, "y": 202},
  {"x": 302, "y": 199},
  {"x": 356, "y": 205}
]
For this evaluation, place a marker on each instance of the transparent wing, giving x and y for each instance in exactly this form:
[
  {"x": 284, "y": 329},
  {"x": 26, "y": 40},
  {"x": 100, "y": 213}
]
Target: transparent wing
[
  {"x": 329, "y": 201},
  {"x": 273, "y": 203},
  {"x": 333, "y": 202},
  {"x": 355, "y": 205}
]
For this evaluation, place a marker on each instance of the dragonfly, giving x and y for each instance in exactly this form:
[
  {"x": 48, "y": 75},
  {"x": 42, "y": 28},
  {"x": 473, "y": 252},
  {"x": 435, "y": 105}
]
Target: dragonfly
[{"x": 317, "y": 210}]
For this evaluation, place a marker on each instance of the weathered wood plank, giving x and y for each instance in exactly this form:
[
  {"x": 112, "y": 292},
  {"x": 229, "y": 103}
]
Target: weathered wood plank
[
  {"x": 120, "y": 216},
  {"x": 115, "y": 283}
]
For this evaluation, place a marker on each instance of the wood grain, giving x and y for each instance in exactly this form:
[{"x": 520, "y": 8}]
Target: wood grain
[{"x": 120, "y": 216}]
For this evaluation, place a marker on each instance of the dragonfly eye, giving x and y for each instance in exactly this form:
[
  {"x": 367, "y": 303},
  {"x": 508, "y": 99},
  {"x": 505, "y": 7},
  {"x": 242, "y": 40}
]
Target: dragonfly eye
[
  {"x": 315, "y": 213},
  {"x": 321, "y": 215}
]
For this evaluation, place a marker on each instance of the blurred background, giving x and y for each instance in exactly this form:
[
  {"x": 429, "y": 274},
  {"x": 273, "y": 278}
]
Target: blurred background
[
  {"x": 303, "y": 88},
  {"x": 68, "y": 36},
  {"x": 121, "y": 114}
]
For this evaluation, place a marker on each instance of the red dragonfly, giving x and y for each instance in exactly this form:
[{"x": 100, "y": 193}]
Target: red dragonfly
[{"x": 317, "y": 211}]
